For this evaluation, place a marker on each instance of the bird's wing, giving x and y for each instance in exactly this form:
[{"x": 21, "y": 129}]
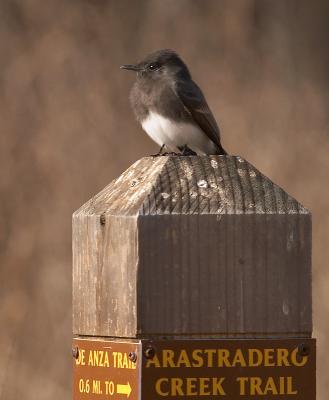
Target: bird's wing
[{"x": 195, "y": 103}]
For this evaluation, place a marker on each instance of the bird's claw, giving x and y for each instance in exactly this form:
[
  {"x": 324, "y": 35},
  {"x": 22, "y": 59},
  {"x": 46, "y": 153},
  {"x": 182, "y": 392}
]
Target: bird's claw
[
  {"x": 170, "y": 153},
  {"x": 167, "y": 153}
]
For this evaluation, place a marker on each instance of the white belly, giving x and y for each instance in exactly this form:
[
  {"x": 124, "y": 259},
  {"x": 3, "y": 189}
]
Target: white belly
[{"x": 173, "y": 134}]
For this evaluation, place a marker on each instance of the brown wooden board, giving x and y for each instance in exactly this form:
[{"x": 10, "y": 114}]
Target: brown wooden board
[
  {"x": 103, "y": 369},
  {"x": 231, "y": 369}
]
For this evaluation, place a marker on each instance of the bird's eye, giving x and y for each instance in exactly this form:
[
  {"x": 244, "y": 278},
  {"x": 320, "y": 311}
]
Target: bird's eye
[{"x": 153, "y": 67}]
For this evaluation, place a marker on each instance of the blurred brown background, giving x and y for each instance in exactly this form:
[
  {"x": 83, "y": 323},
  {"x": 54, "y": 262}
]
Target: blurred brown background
[{"x": 66, "y": 130}]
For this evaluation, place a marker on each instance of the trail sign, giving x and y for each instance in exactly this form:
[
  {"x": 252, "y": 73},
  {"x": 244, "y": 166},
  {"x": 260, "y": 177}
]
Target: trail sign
[
  {"x": 106, "y": 369},
  {"x": 233, "y": 369},
  {"x": 192, "y": 369}
]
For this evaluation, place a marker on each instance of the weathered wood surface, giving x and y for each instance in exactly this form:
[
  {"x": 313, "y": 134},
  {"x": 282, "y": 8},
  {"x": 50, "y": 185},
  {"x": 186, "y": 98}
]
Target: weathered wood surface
[{"x": 192, "y": 247}]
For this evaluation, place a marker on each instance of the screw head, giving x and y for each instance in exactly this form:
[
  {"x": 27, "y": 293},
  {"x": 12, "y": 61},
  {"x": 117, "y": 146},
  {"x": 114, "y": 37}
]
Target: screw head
[
  {"x": 303, "y": 350},
  {"x": 149, "y": 352},
  {"x": 132, "y": 356},
  {"x": 75, "y": 352}
]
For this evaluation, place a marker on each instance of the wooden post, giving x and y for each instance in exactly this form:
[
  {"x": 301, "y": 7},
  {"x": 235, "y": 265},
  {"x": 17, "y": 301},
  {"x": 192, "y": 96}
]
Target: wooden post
[{"x": 190, "y": 248}]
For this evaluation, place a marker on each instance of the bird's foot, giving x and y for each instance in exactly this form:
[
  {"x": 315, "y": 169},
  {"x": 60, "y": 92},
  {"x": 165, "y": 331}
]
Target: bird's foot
[
  {"x": 159, "y": 153},
  {"x": 186, "y": 151},
  {"x": 170, "y": 153},
  {"x": 166, "y": 153}
]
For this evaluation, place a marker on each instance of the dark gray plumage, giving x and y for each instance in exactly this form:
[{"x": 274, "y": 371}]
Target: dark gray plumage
[{"x": 171, "y": 107}]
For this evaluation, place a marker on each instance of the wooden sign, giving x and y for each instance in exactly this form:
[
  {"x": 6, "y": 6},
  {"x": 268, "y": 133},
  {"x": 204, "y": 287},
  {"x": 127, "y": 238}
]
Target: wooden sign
[
  {"x": 106, "y": 369},
  {"x": 233, "y": 369}
]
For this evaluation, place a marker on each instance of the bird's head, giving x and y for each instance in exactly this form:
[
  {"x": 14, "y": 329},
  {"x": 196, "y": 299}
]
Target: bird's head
[{"x": 161, "y": 64}]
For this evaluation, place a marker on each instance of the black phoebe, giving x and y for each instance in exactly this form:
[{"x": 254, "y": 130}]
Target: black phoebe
[{"x": 171, "y": 107}]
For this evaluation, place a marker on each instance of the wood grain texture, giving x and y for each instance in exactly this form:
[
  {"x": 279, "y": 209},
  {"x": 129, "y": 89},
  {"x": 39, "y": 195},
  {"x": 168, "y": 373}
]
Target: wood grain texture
[
  {"x": 192, "y": 247},
  {"x": 104, "y": 276}
]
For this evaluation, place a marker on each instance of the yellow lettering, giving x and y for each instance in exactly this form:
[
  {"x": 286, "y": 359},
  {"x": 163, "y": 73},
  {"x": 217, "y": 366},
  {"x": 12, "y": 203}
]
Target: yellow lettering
[
  {"x": 153, "y": 362},
  {"x": 282, "y": 385},
  {"x": 255, "y": 357},
  {"x": 168, "y": 359},
  {"x": 290, "y": 390},
  {"x": 269, "y": 358},
  {"x": 191, "y": 387},
  {"x": 125, "y": 361},
  {"x": 93, "y": 358},
  {"x": 255, "y": 388},
  {"x": 239, "y": 359},
  {"x": 197, "y": 358},
  {"x": 282, "y": 358},
  {"x": 176, "y": 387},
  {"x": 101, "y": 353},
  {"x": 242, "y": 383},
  {"x": 219, "y": 358},
  {"x": 183, "y": 360},
  {"x": 210, "y": 356},
  {"x": 204, "y": 387},
  {"x": 106, "y": 360},
  {"x": 217, "y": 388},
  {"x": 96, "y": 387},
  {"x": 270, "y": 387},
  {"x": 115, "y": 353},
  {"x": 158, "y": 388},
  {"x": 295, "y": 356},
  {"x": 223, "y": 358},
  {"x": 119, "y": 360},
  {"x": 81, "y": 358}
]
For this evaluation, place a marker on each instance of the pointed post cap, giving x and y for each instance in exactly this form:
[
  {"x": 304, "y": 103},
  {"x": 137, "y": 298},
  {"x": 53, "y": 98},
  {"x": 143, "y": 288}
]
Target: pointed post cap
[{"x": 192, "y": 185}]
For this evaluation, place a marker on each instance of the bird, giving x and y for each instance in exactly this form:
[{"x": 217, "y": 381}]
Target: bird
[{"x": 171, "y": 107}]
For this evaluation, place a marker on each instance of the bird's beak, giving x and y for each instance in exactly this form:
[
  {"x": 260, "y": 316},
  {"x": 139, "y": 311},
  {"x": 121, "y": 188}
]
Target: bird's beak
[{"x": 130, "y": 67}]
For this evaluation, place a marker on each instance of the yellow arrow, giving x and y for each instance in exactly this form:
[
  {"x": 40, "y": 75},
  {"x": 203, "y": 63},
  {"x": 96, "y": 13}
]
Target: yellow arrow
[{"x": 124, "y": 389}]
